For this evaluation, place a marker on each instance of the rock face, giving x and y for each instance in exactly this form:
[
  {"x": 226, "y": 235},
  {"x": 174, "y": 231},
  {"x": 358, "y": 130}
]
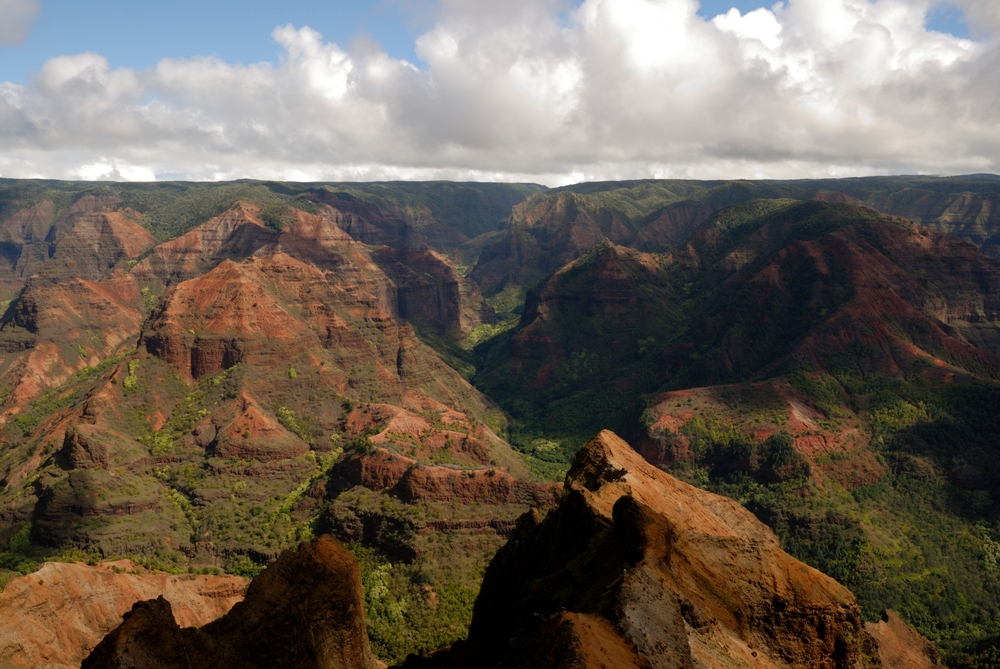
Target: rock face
[
  {"x": 85, "y": 241},
  {"x": 305, "y": 610},
  {"x": 431, "y": 293},
  {"x": 55, "y": 329},
  {"x": 24, "y": 245},
  {"x": 636, "y": 568},
  {"x": 96, "y": 242},
  {"x": 55, "y": 616},
  {"x": 413, "y": 482}
]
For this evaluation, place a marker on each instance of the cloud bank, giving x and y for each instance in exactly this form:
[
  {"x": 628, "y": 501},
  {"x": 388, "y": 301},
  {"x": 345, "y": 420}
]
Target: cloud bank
[
  {"x": 536, "y": 90},
  {"x": 16, "y": 19}
]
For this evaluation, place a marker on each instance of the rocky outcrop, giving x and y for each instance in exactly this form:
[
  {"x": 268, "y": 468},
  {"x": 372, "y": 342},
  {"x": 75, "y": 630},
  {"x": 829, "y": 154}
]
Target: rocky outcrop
[
  {"x": 481, "y": 486},
  {"x": 237, "y": 320},
  {"x": 414, "y": 482},
  {"x": 432, "y": 294},
  {"x": 81, "y": 451},
  {"x": 635, "y": 568},
  {"x": 53, "y": 617},
  {"x": 305, "y": 610}
]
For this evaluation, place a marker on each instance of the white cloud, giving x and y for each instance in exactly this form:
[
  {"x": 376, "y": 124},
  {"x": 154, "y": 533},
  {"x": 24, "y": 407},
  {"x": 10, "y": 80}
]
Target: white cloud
[
  {"x": 513, "y": 90},
  {"x": 16, "y": 19},
  {"x": 105, "y": 170}
]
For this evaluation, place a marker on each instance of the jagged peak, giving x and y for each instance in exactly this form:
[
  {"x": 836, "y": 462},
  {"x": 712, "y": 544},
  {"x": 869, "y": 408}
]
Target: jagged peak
[{"x": 607, "y": 468}]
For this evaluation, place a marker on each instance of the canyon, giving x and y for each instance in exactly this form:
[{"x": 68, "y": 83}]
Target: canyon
[{"x": 203, "y": 377}]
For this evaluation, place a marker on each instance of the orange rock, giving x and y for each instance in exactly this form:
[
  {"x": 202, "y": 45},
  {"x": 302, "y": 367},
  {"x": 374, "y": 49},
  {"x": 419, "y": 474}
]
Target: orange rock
[
  {"x": 414, "y": 482},
  {"x": 53, "y": 617},
  {"x": 305, "y": 611},
  {"x": 636, "y": 568},
  {"x": 236, "y": 233}
]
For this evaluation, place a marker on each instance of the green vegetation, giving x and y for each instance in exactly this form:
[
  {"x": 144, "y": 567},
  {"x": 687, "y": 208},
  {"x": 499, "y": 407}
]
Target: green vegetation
[
  {"x": 241, "y": 565},
  {"x": 171, "y": 208},
  {"x": 544, "y": 470},
  {"x": 420, "y": 583},
  {"x": 923, "y": 539},
  {"x": 149, "y": 298},
  {"x": 57, "y": 399},
  {"x": 130, "y": 380},
  {"x": 19, "y": 557},
  {"x": 405, "y": 614},
  {"x": 486, "y": 331},
  {"x": 918, "y": 529}
]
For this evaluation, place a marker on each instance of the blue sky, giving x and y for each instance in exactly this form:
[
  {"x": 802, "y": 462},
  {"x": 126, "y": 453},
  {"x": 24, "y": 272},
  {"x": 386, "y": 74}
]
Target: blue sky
[{"x": 138, "y": 34}]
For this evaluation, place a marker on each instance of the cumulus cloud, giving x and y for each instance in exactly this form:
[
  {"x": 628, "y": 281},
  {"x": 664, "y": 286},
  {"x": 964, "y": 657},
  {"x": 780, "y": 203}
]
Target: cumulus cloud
[
  {"x": 16, "y": 19},
  {"x": 540, "y": 90}
]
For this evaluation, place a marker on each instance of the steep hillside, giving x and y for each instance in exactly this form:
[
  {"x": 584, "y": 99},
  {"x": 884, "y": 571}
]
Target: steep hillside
[
  {"x": 966, "y": 206},
  {"x": 637, "y": 569},
  {"x": 550, "y": 229},
  {"x": 759, "y": 289},
  {"x": 234, "y": 234},
  {"x": 232, "y": 391},
  {"x": 828, "y": 366}
]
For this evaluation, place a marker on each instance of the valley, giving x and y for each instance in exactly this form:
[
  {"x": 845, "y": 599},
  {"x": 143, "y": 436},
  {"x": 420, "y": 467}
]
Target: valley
[{"x": 199, "y": 377}]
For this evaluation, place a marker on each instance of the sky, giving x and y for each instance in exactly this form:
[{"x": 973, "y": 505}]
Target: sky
[{"x": 550, "y": 91}]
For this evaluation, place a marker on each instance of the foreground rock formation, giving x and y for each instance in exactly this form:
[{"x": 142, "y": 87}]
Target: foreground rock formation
[
  {"x": 637, "y": 569},
  {"x": 53, "y": 617},
  {"x": 305, "y": 610}
]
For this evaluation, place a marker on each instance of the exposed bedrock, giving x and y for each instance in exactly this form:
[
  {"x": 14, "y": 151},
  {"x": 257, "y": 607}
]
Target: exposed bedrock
[
  {"x": 637, "y": 569},
  {"x": 415, "y": 482},
  {"x": 53, "y": 617},
  {"x": 305, "y": 610}
]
